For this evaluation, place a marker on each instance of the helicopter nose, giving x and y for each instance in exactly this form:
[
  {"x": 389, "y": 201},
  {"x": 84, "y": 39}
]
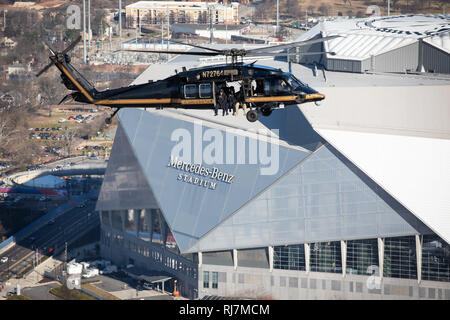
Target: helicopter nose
[{"x": 314, "y": 97}]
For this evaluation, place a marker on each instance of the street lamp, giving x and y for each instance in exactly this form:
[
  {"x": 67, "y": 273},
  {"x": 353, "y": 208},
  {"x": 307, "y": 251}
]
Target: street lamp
[{"x": 278, "y": 14}]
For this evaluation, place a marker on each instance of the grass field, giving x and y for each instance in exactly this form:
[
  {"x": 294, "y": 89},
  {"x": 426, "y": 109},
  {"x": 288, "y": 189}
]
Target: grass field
[{"x": 17, "y": 297}]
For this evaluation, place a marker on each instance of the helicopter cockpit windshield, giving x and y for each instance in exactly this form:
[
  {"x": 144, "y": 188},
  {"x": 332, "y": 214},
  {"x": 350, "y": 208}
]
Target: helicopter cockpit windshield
[{"x": 295, "y": 84}]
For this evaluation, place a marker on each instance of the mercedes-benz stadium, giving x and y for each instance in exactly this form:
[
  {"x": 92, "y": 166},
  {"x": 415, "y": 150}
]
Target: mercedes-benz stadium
[{"x": 345, "y": 200}]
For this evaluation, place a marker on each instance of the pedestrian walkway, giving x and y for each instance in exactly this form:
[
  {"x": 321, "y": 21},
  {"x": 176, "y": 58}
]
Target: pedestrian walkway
[
  {"x": 93, "y": 289},
  {"x": 133, "y": 294}
]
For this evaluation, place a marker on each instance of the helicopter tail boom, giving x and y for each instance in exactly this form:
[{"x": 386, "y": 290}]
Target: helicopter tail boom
[{"x": 71, "y": 78}]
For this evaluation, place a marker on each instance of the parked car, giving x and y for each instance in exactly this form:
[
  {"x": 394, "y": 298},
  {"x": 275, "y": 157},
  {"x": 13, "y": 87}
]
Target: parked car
[
  {"x": 109, "y": 269},
  {"x": 90, "y": 272},
  {"x": 147, "y": 285},
  {"x": 4, "y": 260}
]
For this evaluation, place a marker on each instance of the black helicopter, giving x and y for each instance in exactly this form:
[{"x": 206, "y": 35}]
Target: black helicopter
[{"x": 197, "y": 88}]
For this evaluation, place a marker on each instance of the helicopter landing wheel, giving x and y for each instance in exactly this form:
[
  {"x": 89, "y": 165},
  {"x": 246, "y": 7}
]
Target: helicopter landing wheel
[
  {"x": 109, "y": 119},
  {"x": 266, "y": 111},
  {"x": 252, "y": 116}
]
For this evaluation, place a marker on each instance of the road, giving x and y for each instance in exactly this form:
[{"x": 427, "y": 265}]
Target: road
[
  {"x": 68, "y": 227},
  {"x": 79, "y": 162}
]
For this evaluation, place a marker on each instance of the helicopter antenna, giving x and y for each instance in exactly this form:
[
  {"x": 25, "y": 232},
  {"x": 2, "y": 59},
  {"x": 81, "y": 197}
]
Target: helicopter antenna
[{"x": 211, "y": 32}]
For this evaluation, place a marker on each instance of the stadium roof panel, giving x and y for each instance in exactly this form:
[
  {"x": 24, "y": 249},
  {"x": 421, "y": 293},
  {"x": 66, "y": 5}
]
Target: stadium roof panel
[
  {"x": 362, "y": 38},
  {"x": 414, "y": 170}
]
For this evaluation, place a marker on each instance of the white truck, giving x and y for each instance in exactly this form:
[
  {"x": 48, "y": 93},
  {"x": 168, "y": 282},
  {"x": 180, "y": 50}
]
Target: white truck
[
  {"x": 109, "y": 269},
  {"x": 90, "y": 272},
  {"x": 74, "y": 268},
  {"x": 85, "y": 265}
]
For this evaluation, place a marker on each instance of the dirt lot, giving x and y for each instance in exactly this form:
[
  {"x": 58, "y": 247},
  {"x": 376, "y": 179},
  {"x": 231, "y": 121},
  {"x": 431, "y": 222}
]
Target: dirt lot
[{"x": 55, "y": 127}]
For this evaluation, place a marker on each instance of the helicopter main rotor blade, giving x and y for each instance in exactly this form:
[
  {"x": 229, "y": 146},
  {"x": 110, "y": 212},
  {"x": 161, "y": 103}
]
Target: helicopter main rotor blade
[
  {"x": 53, "y": 51},
  {"x": 44, "y": 69},
  {"x": 196, "y": 46},
  {"x": 193, "y": 53},
  {"x": 291, "y": 45},
  {"x": 72, "y": 45},
  {"x": 285, "y": 54}
]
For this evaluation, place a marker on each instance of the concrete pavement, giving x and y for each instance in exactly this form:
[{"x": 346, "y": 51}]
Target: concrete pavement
[{"x": 131, "y": 294}]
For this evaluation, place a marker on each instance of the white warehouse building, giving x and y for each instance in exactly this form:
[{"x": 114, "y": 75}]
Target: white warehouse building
[{"x": 406, "y": 43}]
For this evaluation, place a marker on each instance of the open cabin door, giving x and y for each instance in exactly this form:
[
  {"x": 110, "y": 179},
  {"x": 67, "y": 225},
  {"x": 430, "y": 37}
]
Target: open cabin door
[{"x": 214, "y": 92}]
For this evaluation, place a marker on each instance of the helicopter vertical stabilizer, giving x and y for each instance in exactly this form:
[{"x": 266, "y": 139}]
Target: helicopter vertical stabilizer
[{"x": 71, "y": 78}]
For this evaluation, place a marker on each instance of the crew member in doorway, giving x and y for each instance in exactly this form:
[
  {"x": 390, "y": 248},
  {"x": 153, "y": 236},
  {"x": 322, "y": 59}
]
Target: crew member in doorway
[
  {"x": 259, "y": 90},
  {"x": 240, "y": 102},
  {"x": 232, "y": 102},
  {"x": 222, "y": 102}
]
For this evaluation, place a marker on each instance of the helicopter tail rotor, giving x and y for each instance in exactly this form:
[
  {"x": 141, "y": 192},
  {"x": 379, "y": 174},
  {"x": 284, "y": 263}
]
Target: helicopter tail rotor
[
  {"x": 57, "y": 56},
  {"x": 44, "y": 69}
]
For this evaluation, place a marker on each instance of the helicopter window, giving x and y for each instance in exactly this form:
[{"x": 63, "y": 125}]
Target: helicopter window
[
  {"x": 267, "y": 87},
  {"x": 205, "y": 90},
  {"x": 279, "y": 86},
  {"x": 190, "y": 91}
]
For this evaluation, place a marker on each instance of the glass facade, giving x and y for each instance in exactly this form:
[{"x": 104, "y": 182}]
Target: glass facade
[
  {"x": 400, "y": 257},
  {"x": 291, "y": 257},
  {"x": 105, "y": 218},
  {"x": 124, "y": 185},
  {"x": 360, "y": 255},
  {"x": 326, "y": 257},
  {"x": 215, "y": 280},
  {"x": 400, "y": 260},
  {"x": 205, "y": 279},
  {"x": 144, "y": 233},
  {"x": 435, "y": 259},
  {"x": 116, "y": 219},
  {"x": 323, "y": 199},
  {"x": 156, "y": 223},
  {"x": 130, "y": 221}
]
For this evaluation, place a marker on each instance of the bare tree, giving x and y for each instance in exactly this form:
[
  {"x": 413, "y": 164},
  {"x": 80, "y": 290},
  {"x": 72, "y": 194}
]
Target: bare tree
[{"x": 324, "y": 9}]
